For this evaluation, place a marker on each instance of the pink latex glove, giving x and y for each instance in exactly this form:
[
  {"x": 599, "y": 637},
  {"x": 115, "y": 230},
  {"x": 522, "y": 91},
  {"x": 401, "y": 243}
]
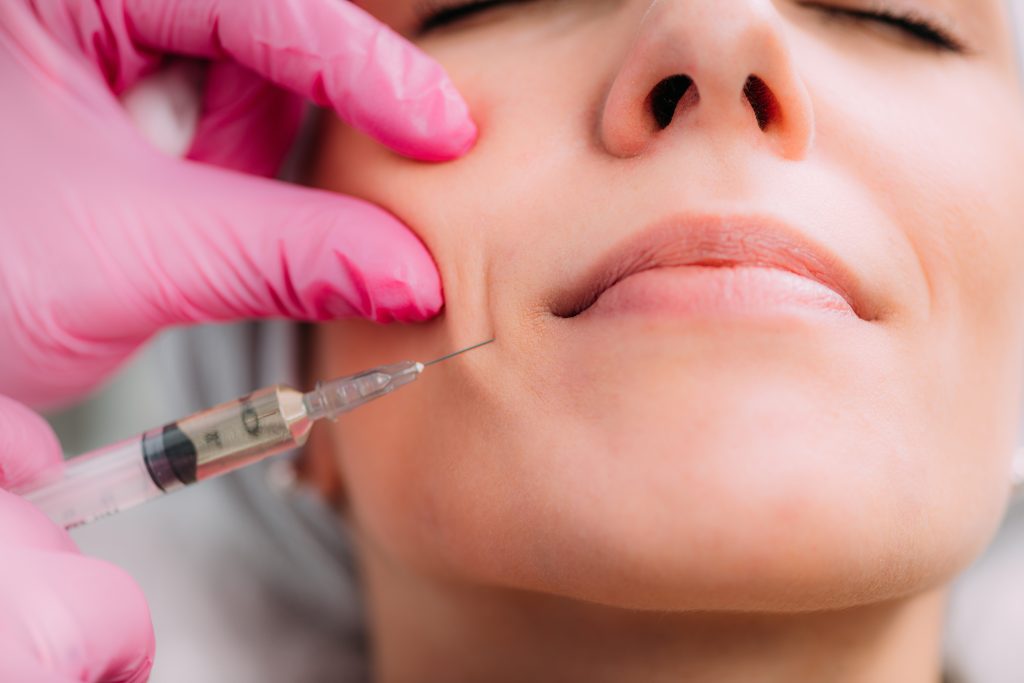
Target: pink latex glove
[
  {"x": 63, "y": 617},
  {"x": 104, "y": 240}
]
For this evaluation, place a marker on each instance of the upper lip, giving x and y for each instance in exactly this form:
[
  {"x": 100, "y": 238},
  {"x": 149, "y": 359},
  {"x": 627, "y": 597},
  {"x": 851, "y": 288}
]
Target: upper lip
[{"x": 714, "y": 241}]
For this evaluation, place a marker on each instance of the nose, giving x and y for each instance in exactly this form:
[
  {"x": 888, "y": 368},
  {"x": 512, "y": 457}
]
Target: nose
[{"x": 717, "y": 67}]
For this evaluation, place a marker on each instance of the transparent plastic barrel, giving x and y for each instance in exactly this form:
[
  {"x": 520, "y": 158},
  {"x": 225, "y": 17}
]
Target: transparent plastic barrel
[{"x": 93, "y": 486}]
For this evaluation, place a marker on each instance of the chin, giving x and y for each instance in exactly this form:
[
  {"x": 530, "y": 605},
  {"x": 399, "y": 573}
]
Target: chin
[
  {"x": 761, "y": 467},
  {"x": 767, "y": 496}
]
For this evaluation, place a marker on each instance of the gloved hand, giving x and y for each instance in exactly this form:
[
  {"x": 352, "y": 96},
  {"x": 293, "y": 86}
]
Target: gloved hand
[
  {"x": 63, "y": 617},
  {"x": 104, "y": 240}
]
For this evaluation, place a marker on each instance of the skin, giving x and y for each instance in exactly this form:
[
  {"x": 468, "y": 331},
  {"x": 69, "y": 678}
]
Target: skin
[{"x": 679, "y": 497}]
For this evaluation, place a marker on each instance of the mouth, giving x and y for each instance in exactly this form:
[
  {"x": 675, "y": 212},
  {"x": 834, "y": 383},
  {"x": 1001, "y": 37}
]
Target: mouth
[{"x": 715, "y": 264}]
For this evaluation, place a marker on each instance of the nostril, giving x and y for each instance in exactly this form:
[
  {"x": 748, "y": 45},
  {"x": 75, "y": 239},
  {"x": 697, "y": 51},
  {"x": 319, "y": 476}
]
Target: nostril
[
  {"x": 666, "y": 96},
  {"x": 762, "y": 100}
]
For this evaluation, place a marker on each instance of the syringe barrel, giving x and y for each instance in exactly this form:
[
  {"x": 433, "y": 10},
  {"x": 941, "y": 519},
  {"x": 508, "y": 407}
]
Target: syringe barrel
[
  {"x": 95, "y": 485},
  {"x": 200, "y": 446},
  {"x": 229, "y": 436}
]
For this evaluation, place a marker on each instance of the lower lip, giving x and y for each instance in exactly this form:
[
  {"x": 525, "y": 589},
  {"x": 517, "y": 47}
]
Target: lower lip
[{"x": 704, "y": 291}]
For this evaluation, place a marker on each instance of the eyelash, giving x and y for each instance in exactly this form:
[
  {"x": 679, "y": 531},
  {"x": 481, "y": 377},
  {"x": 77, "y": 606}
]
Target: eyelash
[
  {"x": 912, "y": 24},
  {"x": 439, "y": 13}
]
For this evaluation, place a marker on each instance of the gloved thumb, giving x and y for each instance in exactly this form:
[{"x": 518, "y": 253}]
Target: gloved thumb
[
  {"x": 239, "y": 247},
  {"x": 190, "y": 243}
]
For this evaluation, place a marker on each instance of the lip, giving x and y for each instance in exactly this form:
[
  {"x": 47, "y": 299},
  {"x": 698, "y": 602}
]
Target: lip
[{"x": 699, "y": 245}]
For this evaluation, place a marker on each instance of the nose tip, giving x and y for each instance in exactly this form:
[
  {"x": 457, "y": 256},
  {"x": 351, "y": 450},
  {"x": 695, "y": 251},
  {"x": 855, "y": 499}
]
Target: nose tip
[{"x": 723, "y": 73}]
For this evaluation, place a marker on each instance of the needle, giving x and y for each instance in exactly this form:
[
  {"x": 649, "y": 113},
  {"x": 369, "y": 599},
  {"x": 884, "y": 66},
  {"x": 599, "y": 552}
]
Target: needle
[{"x": 457, "y": 353}]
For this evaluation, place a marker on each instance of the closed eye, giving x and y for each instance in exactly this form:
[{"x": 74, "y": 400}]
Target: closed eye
[
  {"x": 436, "y": 14},
  {"x": 912, "y": 24}
]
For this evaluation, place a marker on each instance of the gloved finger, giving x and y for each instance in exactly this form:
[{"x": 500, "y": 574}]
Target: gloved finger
[
  {"x": 22, "y": 666},
  {"x": 329, "y": 51},
  {"x": 243, "y": 247},
  {"x": 79, "y": 617},
  {"x": 25, "y": 526},
  {"x": 261, "y": 248},
  {"x": 247, "y": 123},
  {"x": 27, "y": 444}
]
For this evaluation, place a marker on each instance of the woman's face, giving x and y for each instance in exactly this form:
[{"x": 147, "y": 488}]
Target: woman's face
[{"x": 754, "y": 271}]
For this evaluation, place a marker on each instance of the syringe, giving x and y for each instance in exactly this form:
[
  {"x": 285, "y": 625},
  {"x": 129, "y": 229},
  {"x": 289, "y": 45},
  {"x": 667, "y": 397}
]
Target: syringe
[{"x": 205, "y": 444}]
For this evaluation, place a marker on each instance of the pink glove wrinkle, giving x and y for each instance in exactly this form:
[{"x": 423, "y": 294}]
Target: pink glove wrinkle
[
  {"x": 407, "y": 101},
  {"x": 329, "y": 51},
  {"x": 63, "y": 617},
  {"x": 107, "y": 241}
]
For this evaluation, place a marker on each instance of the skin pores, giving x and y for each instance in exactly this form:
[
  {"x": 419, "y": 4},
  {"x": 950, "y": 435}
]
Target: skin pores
[{"x": 722, "y": 461}]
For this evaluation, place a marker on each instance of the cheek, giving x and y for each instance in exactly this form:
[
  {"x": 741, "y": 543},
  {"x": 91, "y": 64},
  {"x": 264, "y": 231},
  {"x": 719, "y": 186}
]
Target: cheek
[{"x": 946, "y": 168}]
